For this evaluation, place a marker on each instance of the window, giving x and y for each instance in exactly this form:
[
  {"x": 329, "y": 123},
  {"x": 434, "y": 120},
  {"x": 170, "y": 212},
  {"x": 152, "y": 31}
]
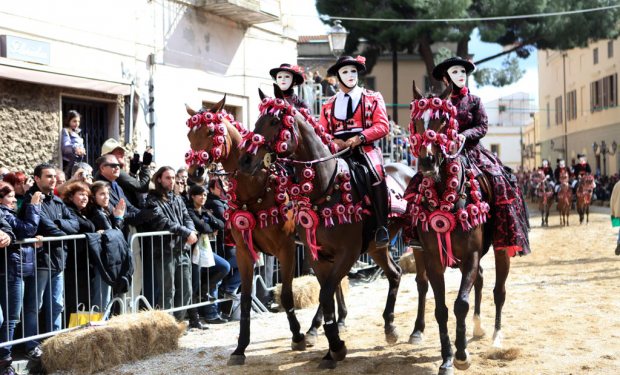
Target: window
[
  {"x": 548, "y": 115},
  {"x": 610, "y": 49},
  {"x": 604, "y": 93},
  {"x": 595, "y": 55},
  {"x": 571, "y": 105},
  {"x": 558, "y": 110}
]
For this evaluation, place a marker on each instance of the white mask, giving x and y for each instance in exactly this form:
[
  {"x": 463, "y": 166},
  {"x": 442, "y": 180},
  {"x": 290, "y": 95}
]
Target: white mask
[
  {"x": 545, "y": 163},
  {"x": 562, "y": 164},
  {"x": 284, "y": 80},
  {"x": 348, "y": 75},
  {"x": 458, "y": 75}
]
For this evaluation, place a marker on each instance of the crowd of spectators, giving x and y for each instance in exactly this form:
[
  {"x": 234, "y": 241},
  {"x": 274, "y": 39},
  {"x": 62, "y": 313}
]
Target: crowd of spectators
[{"x": 107, "y": 203}]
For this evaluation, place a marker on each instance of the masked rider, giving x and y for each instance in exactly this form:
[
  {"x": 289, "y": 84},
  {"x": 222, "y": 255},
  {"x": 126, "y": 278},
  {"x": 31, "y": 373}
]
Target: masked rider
[
  {"x": 357, "y": 117},
  {"x": 287, "y": 76}
]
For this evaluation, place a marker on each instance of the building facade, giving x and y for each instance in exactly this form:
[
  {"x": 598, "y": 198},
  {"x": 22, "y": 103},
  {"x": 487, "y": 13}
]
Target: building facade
[
  {"x": 149, "y": 58},
  {"x": 579, "y": 112}
]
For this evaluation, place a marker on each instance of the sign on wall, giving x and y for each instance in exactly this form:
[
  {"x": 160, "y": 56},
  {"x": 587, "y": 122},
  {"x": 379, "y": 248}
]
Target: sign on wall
[{"x": 35, "y": 51}]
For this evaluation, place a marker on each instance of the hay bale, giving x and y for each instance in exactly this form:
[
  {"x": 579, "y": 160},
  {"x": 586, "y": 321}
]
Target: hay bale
[
  {"x": 306, "y": 291},
  {"x": 122, "y": 339},
  {"x": 407, "y": 262}
]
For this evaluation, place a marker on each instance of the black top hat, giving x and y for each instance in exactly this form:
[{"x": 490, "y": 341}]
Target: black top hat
[
  {"x": 580, "y": 156},
  {"x": 559, "y": 160},
  {"x": 359, "y": 62},
  {"x": 295, "y": 70},
  {"x": 440, "y": 70}
]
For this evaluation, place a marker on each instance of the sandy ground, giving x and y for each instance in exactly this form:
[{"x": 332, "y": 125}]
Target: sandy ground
[{"x": 562, "y": 316}]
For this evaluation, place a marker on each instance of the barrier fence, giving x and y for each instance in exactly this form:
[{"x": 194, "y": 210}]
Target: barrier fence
[{"x": 46, "y": 301}]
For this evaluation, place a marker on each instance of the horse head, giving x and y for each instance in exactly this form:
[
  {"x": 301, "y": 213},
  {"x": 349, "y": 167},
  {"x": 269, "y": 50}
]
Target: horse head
[
  {"x": 209, "y": 138},
  {"x": 433, "y": 130},
  {"x": 276, "y": 133}
]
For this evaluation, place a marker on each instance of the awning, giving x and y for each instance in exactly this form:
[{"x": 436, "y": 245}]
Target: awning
[{"x": 45, "y": 75}]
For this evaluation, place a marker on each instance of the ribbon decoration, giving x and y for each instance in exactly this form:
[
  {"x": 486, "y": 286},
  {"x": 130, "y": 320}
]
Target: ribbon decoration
[
  {"x": 245, "y": 223},
  {"x": 309, "y": 220},
  {"x": 443, "y": 223}
]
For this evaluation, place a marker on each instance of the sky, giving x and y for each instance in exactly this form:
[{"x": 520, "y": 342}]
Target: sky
[{"x": 307, "y": 22}]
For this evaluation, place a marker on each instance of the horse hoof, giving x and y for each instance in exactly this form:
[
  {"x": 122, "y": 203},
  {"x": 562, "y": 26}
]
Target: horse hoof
[
  {"x": 416, "y": 338},
  {"x": 340, "y": 354},
  {"x": 446, "y": 368},
  {"x": 327, "y": 364},
  {"x": 310, "y": 340},
  {"x": 236, "y": 360},
  {"x": 299, "y": 346},
  {"x": 463, "y": 364},
  {"x": 497, "y": 339},
  {"x": 478, "y": 330},
  {"x": 342, "y": 327},
  {"x": 391, "y": 337}
]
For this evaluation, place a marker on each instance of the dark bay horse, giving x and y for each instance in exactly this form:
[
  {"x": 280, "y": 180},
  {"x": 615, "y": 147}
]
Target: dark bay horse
[
  {"x": 451, "y": 196},
  {"x": 322, "y": 187},
  {"x": 585, "y": 188},
  {"x": 253, "y": 194},
  {"x": 544, "y": 192},
  {"x": 565, "y": 198}
]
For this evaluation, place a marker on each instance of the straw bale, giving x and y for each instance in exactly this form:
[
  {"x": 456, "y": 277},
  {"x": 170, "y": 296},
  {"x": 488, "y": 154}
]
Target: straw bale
[
  {"x": 124, "y": 338},
  {"x": 306, "y": 291},
  {"x": 407, "y": 263}
]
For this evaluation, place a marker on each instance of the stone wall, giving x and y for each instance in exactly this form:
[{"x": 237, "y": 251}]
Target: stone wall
[{"x": 30, "y": 119}]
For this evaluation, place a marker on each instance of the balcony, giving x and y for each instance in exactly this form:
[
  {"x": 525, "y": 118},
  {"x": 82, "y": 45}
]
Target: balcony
[{"x": 248, "y": 12}]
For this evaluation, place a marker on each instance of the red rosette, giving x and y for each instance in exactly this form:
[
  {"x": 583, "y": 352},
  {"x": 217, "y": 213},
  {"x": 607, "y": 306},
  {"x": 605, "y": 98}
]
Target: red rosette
[
  {"x": 346, "y": 186},
  {"x": 430, "y": 135},
  {"x": 243, "y": 220},
  {"x": 295, "y": 190},
  {"x": 347, "y": 198},
  {"x": 423, "y": 104},
  {"x": 281, "y": 147},
  {"x": 220, "y": 129},
  {"x": 360, "y": 59},
  {"x": 447, "y": 106},
  {"x": 262, "y": 215},
  {"x": 320, "y": 130},
  {"x": 307, "y": 187},
  {"x": 453, "y": 182},
  {"x": 346, "y": 176},
  {"x": 308, "y": 173},
  {"x": 208, "y": 117},
  {"x": 436, "y": 103},
  {"x": 189, "y": 157},
  {"x": 454, "y": 167},
  {"x": 442, "y": 222},
  {"x": 446, "y": 206},
  {"x": 427, "y": 182},
  {"x": 218, "y": 140},
  {"x": 196, "y": 119},
  {"x": 204, "y": 157},
  {"x": 216, "y": 153},
  {"x": 278, "y": 103},
  {"x": 285, "y": 135},
  {"x": 450, "y": 196},
  {"x": 281, "y": 197},
  {"x": 288, "y": 121}
]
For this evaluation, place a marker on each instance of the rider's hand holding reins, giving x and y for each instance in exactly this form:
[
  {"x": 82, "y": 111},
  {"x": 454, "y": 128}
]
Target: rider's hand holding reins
[
  {"x": 340, "y": 144},
  {"x": 353, "y": 142}
]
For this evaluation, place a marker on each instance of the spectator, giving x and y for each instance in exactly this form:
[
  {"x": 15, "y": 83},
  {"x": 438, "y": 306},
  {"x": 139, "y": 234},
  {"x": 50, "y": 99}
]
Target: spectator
[
  {"x": 104, "y": 217},
  {"x": 135, "y": 184},
  {"x": 16, "y": 264},
  {"x": 72, "y": 144},
  {"x": 61, "y": 179},
  {"x": 3, "y": 172},
  {"x": 171, "y": 258},
  {"x": 614, "y": 204},
  {"x": 206, "y": 224},
  {"x": 47, "y": 288},
  {"x": 76, "y": 195},
  {"x": 329, "y": 86},
  {"x": 181, "y": 187},
  {"x": 21, "y": 183}
]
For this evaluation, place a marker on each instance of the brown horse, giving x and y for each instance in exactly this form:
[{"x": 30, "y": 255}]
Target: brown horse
[
  {"x": 585, "y": 188},
  {"x": 565, "y": 198},
  {"x": 339, "y": 236},
  {"x": 544, "y": 191},
  {"x": 253, "y": 194},
  {"x": 464, "y": 247}
]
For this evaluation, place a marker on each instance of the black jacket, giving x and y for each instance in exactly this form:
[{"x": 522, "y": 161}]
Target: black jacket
[
  {"x": 135, "y": 188},
  {"x": 171, "y": 216},
  {"x": 205, "y": 222},
  {"x": 55, "y": 220},
  {"x": 110, "y": 253},
  {"x": 218, "y": 207}
]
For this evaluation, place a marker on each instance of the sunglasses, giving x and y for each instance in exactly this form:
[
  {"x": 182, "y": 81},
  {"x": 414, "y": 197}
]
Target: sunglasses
[{"x": 112, "y": 165}]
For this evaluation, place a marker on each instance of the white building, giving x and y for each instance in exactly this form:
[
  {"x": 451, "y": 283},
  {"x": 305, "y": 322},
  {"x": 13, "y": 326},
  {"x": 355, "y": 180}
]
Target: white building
[{"x": 151, "y": 57}]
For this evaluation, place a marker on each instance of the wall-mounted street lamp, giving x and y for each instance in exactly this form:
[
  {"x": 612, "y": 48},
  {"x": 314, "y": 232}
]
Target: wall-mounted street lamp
[
  {"x": 337, "y": 36},
  {"x": 604, "y": 150}
]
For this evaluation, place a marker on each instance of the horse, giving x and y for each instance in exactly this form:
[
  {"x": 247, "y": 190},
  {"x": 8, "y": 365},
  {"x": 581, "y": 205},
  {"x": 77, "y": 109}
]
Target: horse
[
  {"x": 585, "y": 188},
  {"x": 292, "y": 139},
  {"x": 544, "y": 191},
  {"x": 218, "y": 139},
  {"x": 565, "y": 198},
  {"x": 449, "y": 192}
]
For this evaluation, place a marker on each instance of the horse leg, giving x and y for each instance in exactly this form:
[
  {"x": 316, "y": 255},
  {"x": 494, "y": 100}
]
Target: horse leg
[
  {"x": 342, "y": 308},
  {"x": 478, "y": 284},
  {"x": 392, "y": 271},
  {"x": 588, "y": 214},
  {"x": 287, "y": 269},
  {"x": 437, "y": 282},
  {"x": 312, "y": 333},
  {"x": 246, "y": 268},
  {"x": 421, "y": 279},
  {"x": 470, "y": 266},
  {"x": 502, "y": 268}
]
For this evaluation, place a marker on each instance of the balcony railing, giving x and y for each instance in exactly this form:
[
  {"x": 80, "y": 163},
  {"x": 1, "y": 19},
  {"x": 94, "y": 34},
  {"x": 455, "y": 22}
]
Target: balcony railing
[{"x": 248, "y": 12}]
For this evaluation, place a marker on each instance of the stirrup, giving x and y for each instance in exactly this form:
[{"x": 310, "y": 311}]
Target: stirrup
[{"x": 382, "y": 238}]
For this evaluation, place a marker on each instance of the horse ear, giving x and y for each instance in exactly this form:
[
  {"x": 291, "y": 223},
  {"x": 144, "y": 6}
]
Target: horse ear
[
  {"x": 219, "y": 106},
  {"x": 417, "y": 95},
  {"x": 190, "y": 110},
  {"x": 446, "y": 93},
  {"x": 261, "y": 94},
  {"x": 277, "y": 92}
]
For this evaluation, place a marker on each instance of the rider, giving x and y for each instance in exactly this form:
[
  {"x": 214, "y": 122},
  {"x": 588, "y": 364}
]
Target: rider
[
  {"x": 357, "y": 117},
  {"x": 287, "y": 76},
  {"x": 582, "y": 167},
  {"x": 511, "y": 224},
  {"x": 547, "y": 171},
  {"x": 561, "y": 167}
]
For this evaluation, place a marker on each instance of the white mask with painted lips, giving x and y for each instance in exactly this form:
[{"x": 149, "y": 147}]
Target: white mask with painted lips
[
  {"x": 458, "y": 75},
  {"x": 284, "y": 80},
  {"x": 348, "y": 75}
]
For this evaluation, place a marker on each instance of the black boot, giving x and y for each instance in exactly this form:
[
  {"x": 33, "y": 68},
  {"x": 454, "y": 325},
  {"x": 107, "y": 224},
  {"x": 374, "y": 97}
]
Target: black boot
[
  {"x": 618, "y": 249},
  {"x": 380, "y": 208}
]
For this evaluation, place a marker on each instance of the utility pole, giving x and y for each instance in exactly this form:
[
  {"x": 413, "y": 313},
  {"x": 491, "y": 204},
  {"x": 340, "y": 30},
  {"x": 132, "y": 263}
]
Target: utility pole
[{"x": 565, "y": 109}]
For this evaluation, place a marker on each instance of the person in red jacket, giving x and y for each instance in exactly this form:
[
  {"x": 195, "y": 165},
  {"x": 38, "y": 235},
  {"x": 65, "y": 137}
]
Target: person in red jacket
[{"x": 356, "y": 118}]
